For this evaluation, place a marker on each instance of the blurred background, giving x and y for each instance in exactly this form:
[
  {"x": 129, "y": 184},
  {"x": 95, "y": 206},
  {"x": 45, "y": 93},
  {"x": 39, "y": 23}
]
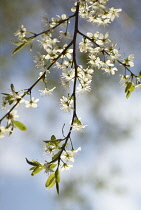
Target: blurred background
[{"x": 106, "y": 173}]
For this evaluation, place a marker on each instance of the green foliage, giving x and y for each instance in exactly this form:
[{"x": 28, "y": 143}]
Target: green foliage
[
  {"x": 130, "y": 87},
  {"x": 37, "y": 167},
  {"x": 57, "y": 175},
  {"x": 53, "y": 179},
  {"x": 21, "y": 44},
  {"x": 55, "y": 157},
  {"x": 36, "y": 170},
  {"x": 17, "y": 43},
  {"x": 33, "y": 163},
  {"x": 19, "y": 47},
  {"x": 140, "y": 74},
  {"x": 50, "y": 181},
  {"x": 20, "y": 125},
  {"x": 53, "y": 141},
  {"x": 52, "y": 166}
]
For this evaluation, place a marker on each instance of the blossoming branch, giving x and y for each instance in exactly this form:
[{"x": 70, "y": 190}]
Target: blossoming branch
[{"x": 101, "y": 54}]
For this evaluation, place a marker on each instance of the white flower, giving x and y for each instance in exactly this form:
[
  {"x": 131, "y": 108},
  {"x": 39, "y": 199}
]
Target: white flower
[
  {"x": 84, "y": 85},
  {"x": 3, "y": 130},
  {"x": 69, "y": 76},
  {"x": 124, "y": 79},
  {"x": 46, "y": 91},
  {"x": 65, "y": 35},
  {"x": 47, "y": 169},
  {"x": 102, "y": 39},
  {"x": 48, "y": 42},
  {"x": 67, "y": 53},
  {"x": 85, "y": 45},
  {"x": 12, "y": 116},
  {"x": 68, "y": 155},
  {"x": 66, "y": 104},
  {"x": 138, "y": 86},
  {"x": 129, "y": 61},
  {"x": 109, "y": 67},
  {"x": 77, "y": 125},
  {"x": 66, "y": 166},
  {"x": 40, "y": 61},
  {"x": 95, "y": 61},
  {"x": 21, "y": 32},
  {"x": 113, "y": 13},
  {"x": 58, "y": 20},
  {"x": 49, "y": 149},
  {"x": 31, "y": 103}
]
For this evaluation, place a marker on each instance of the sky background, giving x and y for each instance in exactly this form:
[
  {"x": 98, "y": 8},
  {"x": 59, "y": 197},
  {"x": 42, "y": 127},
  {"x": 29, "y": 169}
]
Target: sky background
[{"x": 106, "y": 173}]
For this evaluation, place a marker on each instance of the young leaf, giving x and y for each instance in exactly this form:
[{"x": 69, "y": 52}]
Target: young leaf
[
  {"x": 12, "y": 88},
  {"x": 128, "y": 94},
  {"x": 16, "y": 43},
  {"x": 140, "y": 74},
  {"x": 52, "y": 166},
  {"x": 50, "y": 181},
  {"x": 32, "y": 168},
  {"x": 20, "y": 125},
  {"x": 19, "y": 47},
  {"x": 56, "y": 156},
  {"x": 130, "y": 87},
  {"x": 57, "y": 175},
  {"x": 33, "y": 163},
  {"x": 36, "y": 170},
  {"x": 57, "y": 187},
  {"x": 53, "y": 138}
]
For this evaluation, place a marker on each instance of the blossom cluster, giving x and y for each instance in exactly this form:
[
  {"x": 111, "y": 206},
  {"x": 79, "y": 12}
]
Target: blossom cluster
[
  {"x": 60, "y": 52},
  {"x": 96, "y": 11}
]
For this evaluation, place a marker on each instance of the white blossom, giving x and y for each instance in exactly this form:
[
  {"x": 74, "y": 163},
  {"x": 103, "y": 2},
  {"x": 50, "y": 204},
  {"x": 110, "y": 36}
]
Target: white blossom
[
  {"x": 66, "y": 167},
  {"x": 3, "y": 131},
  {"x": 65, "y": 34},
  {"x": 109, "y": 67},
  {"x": 47, "y": 169},
  {"x": 21, "y": 32},
  {"x": 77, "y": 125},
  {"x": 85, "y": 45},
  {"x": 47, "y": 91},
  {"x": 12, "y": 116},
  {"x": 129, "y": 61},
  {"x": 66, "y": 104},
  {"x": 32, "y": 103},
  {"x": 68, "y": 155}
]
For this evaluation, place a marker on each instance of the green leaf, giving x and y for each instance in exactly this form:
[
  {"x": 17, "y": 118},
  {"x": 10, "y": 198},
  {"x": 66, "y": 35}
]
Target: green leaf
[
  {"x": 57, "y": 175},
  {"x": 130, "y": 87},
  {"x": 32, "y": 168},
  {"x": 140, "y": 74},
  {"x": 19, "y": 48},
  {"x": 128, "y": 94},
  {"x": 33, "y": 163},
  {"x": 55, "y": 157},
  {"x": 16, "y": 43},
  {"x": 51, "y": 166},
  {"x": 53, "y": 138},
  {"x": 57, "y": 187},
  {"x": 50, "y": 181},
  {"x": 77, "y": 121},
  {"x": 20, "y": 125},
  {"x": 36, "y": 170},
  {"x": 12, "y": 88}
]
